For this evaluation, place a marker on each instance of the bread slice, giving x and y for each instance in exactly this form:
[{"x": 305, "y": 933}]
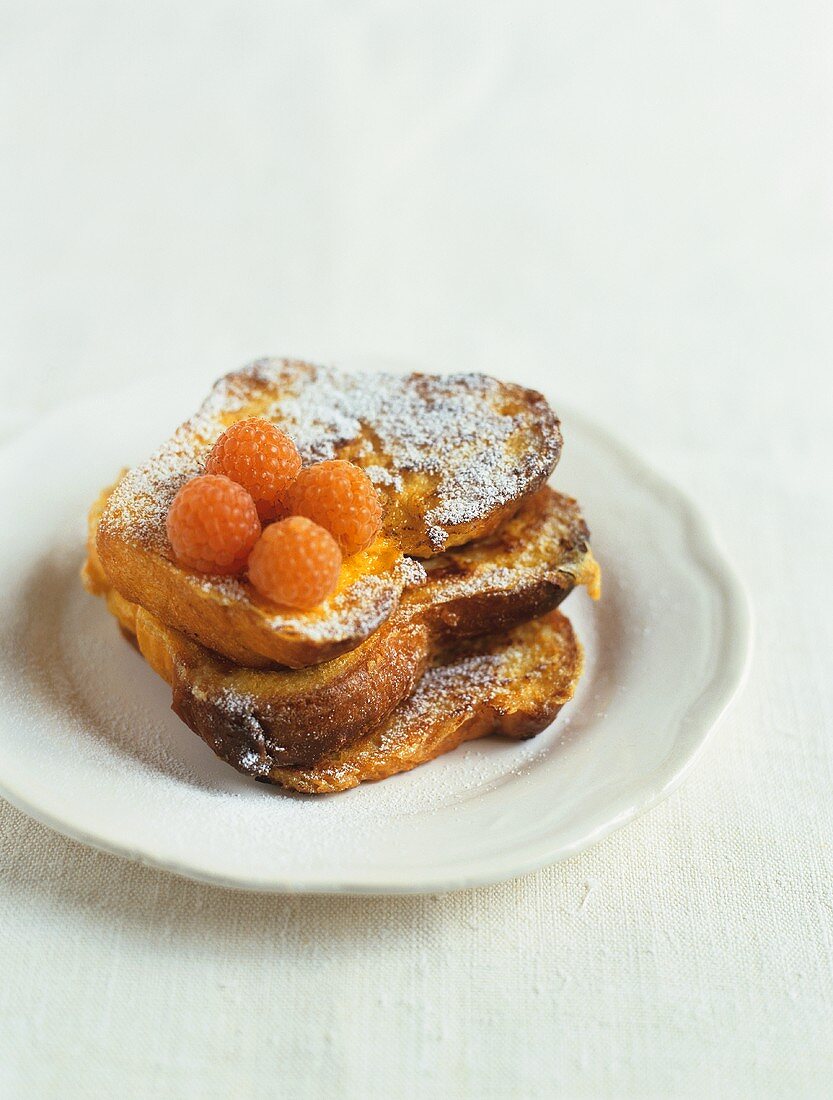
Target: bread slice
[
  {"x": 452, "y": 456},
  {"x": 512, "y": 684},
  {"x": 260, "y": 719}
]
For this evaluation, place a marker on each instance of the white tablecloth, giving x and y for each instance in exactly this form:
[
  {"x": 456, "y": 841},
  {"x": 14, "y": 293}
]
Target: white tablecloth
[{"x": 629, "y": 204}]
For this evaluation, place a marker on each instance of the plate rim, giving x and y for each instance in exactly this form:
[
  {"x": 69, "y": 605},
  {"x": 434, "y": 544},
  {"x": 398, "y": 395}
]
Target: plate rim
[{"x": 719, "y": 691}]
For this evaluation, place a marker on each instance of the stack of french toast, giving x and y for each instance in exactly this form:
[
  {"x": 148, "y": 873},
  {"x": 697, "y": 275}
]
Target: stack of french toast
[{"x": 343, "y": 576}]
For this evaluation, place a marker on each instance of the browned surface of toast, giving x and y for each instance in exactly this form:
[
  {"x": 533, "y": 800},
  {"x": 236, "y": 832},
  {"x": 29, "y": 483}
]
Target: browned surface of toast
[
  {"x": 452, "y": 457},
  {"x": 513, "y": 684},
  {"x": 259, "y": 719}
]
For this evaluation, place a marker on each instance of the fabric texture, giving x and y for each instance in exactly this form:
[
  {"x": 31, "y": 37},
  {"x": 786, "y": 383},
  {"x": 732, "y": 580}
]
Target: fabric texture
[{"x": 629, "y": 207}]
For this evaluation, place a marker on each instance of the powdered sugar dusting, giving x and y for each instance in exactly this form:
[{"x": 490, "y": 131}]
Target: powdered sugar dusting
[
  {"x": 139, "y": 504},
  {"x": 455, "y": 432},
  {"x": 459, "y": 683},
  {"x": 354, "y": 612},
  {"x": 382, "y": 477}
]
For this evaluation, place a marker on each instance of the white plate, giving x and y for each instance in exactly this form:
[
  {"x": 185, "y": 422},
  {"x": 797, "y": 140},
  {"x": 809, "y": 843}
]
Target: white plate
[{"x": 89, "y": 745}]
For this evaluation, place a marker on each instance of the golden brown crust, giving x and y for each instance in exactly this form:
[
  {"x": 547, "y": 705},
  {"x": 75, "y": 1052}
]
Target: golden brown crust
[
  {"x": 308, "y": 715},
  {"x": 528, "y": 674}
]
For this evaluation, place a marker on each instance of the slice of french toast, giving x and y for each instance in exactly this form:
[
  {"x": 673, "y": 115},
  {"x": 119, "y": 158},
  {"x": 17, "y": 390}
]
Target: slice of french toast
[
  {"x": 452, "y": 457},
  {"x": 512, "y": 684},
  {"x": 260, "y": 719}
]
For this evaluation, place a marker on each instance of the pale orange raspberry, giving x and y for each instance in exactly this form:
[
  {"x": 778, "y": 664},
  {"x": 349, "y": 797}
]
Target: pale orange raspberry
[
  {"x": 295, "y": 562},
  {"x": 212, "y": 525},
  {"x": 340, "y": 497},
  {"x": 261, "y": 458}
]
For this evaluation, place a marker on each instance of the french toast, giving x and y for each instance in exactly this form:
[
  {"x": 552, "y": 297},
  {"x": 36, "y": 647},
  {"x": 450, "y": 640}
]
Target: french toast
[
  {"x": 260, "y": 720},
  {"x": 453, "y": 457}
]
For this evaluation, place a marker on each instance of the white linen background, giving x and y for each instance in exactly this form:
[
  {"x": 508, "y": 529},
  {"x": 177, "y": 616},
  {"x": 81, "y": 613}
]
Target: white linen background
[{"x": 629, "y": 204}]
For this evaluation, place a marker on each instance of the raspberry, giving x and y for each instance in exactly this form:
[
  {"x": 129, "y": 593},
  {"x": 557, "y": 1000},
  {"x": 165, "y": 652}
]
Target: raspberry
[
  {"x": 261, "y": 458},
  {"x": 341, "y": 497},
  {"x": 295, "y": 562},
  {"x": 212, "y": 525}
]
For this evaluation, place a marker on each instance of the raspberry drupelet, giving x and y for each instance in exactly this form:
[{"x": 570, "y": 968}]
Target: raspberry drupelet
[
  {"x": 295, "y": 562},
  {"x": 212, "y": 525},
  {"x": 261, "y": 458},
  {"x": 340, "y": 497}
]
